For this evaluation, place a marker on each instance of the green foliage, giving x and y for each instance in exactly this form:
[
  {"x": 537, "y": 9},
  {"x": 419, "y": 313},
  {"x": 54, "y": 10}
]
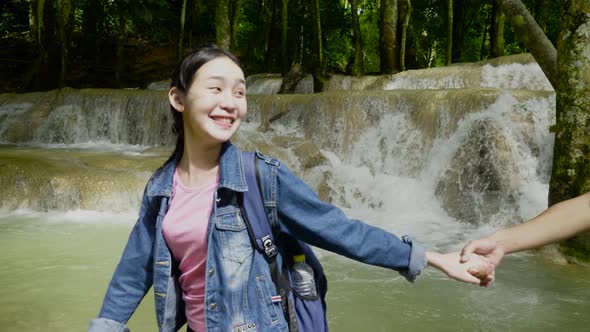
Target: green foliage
[
  {"x": 478, "y": 20},
  {"x": 338, "y": 51},
  {"x": 150, "y": 24},
  {"x": 14, "y": 16},
  {"x": 427, "y": 36},
  {"x": 369, "y": 21},
  {"x": 338, "y": 38}
]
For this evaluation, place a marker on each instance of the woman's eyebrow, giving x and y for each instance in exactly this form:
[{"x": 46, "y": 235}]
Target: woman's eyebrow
[{"x": 221, "y": 78}]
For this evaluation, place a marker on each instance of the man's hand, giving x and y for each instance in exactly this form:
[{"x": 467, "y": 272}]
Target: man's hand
[{"x": 486, "y": 247}]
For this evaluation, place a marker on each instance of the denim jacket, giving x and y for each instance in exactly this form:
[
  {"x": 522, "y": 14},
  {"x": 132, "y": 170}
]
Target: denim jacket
[{"x": 239, "y": 287}]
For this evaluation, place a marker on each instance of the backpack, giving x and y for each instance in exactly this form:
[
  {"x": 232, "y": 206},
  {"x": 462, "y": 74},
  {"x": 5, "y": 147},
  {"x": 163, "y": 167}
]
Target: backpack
[{"x": 302, "y": 314}]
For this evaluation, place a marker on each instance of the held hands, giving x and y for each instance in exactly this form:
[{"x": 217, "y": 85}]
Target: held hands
[
  {"x": 485, "y": 247},
  {"x": 477, "y": 270}
]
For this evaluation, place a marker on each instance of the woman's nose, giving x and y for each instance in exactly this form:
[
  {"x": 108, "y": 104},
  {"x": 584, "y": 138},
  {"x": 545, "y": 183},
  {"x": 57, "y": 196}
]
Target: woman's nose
[{"x": 228, "y": 102}]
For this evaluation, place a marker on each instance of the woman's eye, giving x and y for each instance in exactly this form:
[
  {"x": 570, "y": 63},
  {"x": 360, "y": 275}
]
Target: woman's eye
[
  {"x": 215, "y": 88},
  {"x": 240, "y": 93}
]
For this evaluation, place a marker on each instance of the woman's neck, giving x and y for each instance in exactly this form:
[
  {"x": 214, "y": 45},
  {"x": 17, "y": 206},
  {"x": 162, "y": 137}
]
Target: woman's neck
[{"x": 199, "y": 164}]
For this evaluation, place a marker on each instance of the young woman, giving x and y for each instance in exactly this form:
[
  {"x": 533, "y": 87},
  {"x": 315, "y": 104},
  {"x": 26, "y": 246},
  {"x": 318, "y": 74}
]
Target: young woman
[{"x": 190, "y": 242}]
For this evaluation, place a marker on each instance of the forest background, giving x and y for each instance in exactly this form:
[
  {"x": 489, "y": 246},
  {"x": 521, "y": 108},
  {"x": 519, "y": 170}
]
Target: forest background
[{"x": 48, "y": 44}]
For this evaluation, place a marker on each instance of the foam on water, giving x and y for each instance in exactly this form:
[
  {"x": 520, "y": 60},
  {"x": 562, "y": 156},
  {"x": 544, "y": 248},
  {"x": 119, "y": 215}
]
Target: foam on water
[
  {"x": 72, "y": 216},
  {"x": 527, "y": 76}
]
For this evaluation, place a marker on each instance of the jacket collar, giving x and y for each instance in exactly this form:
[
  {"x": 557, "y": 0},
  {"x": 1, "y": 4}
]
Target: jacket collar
[{"x": 231, "y": 173}]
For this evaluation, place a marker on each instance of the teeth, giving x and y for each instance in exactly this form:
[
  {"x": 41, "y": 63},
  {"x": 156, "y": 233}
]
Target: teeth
[{"x": 223, "y": 120}]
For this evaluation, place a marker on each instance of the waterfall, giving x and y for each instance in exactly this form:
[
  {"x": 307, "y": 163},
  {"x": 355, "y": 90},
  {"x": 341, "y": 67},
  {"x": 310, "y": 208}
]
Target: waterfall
[{"x": 439, "y": 153}]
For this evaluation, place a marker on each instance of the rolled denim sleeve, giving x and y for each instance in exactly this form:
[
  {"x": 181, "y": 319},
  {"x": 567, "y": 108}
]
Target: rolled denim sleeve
[
  {"x": 417, "y": 259},
  {"x": 106, "y": 325}
]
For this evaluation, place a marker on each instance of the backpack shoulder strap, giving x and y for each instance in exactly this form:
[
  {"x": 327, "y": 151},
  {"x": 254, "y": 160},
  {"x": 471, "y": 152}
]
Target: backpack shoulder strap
[
  {"x": 253, "y": 209},
  {"x": 260, "y": 232}
]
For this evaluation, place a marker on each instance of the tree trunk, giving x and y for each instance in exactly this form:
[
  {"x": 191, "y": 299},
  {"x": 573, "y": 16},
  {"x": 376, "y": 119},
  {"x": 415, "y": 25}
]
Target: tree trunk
[
  {"x": 284, "y": 35},
  {"x": 256, "y": 39},
  {"x": 449, "y": 32},
  {"x": 402, "y": 52},
  {"x": 121, "y": 46},
  {"x": 357, "y": 64},
  {"x": 236, "y": 8},
  {"x": 44, "y": 35},
  {"x": 497, "y": 32},
  {"x": 571, "y": 154},
  {"x": 318, "y": 68},
  {"x": 32, "y": 75},
  {"x": 65, "y": 26},
  {"x": 268, "y": 47},
  {"x": 193, "y": 21},
  {"x": 48, "y": 66},
  {"x": 388, "y": 33},
  {"x": 532, "y": 36},
  {"x": 317, "y": 32},
  {"x": 484, "y": 36},
  {"x": 570, "y": 175},
  {"x": 222, "y": 24},
  {"x": 298, "y": 58},
  {"x": 90, "y": 21},
  {"x": 458, "y": 30},
  {"x": 180, "y": 50},
  {"x": 33, "y": 21},
  {"x": 541, "y": 13},
  {"x": 41, "y": 27}
]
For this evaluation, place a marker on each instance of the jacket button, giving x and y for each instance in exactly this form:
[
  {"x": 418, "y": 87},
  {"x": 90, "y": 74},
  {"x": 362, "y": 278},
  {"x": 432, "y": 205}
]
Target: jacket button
[
  {"x": 211, "y": 272},
  {"x": 213, "y": 306}
]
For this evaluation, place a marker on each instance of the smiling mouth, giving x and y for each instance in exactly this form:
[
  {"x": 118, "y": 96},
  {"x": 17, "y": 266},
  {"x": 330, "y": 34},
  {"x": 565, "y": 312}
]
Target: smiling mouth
[{"x": 223, "y": 120}]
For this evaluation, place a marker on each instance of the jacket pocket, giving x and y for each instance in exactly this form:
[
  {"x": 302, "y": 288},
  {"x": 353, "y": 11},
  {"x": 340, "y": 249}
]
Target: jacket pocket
[
  {"x": 233, "y": 236},
  {"x": 272, "y": 309}
]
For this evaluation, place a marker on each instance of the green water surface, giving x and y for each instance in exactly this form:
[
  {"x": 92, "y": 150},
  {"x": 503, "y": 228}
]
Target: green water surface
[{"x": 54, "y": 275}]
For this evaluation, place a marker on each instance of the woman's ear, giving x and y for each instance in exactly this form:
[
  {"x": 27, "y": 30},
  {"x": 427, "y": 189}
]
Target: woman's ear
[{"x": 176, "y": 99}]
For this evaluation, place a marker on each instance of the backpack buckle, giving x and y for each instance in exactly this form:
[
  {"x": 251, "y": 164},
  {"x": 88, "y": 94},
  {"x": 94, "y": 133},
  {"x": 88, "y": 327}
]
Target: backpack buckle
[{"x": 269, "y": 247}]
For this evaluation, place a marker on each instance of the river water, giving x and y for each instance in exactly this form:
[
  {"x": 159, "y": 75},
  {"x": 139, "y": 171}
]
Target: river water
[{"x": 56, "y": 267}]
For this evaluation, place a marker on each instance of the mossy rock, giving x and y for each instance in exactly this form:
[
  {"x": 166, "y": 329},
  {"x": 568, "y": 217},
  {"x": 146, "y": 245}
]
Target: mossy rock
[{"x": 577, "y": 249}]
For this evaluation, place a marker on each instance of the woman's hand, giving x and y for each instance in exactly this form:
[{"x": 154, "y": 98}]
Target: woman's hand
[{"x": 478, "y": 270}]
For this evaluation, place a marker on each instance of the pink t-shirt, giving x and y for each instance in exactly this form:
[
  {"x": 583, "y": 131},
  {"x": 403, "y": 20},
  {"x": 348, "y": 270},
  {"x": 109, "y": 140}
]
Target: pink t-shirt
[{"x": 185, "y": 232}]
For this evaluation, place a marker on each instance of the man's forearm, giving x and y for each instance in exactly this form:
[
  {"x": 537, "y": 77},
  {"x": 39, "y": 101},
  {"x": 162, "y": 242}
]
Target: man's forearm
[{"x": 561, "y": 221}]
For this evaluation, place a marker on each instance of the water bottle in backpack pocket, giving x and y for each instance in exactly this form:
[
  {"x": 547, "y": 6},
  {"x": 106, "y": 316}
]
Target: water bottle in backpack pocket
[
  {"x": 308, "y": 290},
  {"x": 303, "y": 279}
]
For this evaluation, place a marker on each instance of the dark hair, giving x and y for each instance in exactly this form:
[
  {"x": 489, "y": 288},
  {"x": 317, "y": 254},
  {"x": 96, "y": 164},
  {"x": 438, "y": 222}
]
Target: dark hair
[{"x": 182, "y": 78}]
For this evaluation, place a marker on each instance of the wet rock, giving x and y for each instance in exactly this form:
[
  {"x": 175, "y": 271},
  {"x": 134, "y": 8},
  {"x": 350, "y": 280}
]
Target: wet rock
[
  {"x": 293, "y": 77},
  {"x": 325, "y": 191},
  {"x": 482, "y": 178},
  {"x": 577, "y": 249},
  {"x": 160, "y": 85},
  {"x": 287, "y": 141},
  {"x": 309, "y": 155}
]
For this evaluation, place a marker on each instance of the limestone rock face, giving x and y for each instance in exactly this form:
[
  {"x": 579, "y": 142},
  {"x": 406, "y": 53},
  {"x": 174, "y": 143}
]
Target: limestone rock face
[
  {"x": 308, "y": 154},
  {"x": 482, "y": 177}
]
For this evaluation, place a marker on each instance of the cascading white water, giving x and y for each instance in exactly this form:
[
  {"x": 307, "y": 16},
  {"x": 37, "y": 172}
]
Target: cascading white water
[
  {"x": 515, "y": 76},
  {"x": 391, "y": 174}
]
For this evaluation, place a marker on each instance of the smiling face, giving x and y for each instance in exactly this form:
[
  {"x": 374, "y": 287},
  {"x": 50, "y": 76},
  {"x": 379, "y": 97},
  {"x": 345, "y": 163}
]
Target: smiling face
[{"x": 215, "y": 103}]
